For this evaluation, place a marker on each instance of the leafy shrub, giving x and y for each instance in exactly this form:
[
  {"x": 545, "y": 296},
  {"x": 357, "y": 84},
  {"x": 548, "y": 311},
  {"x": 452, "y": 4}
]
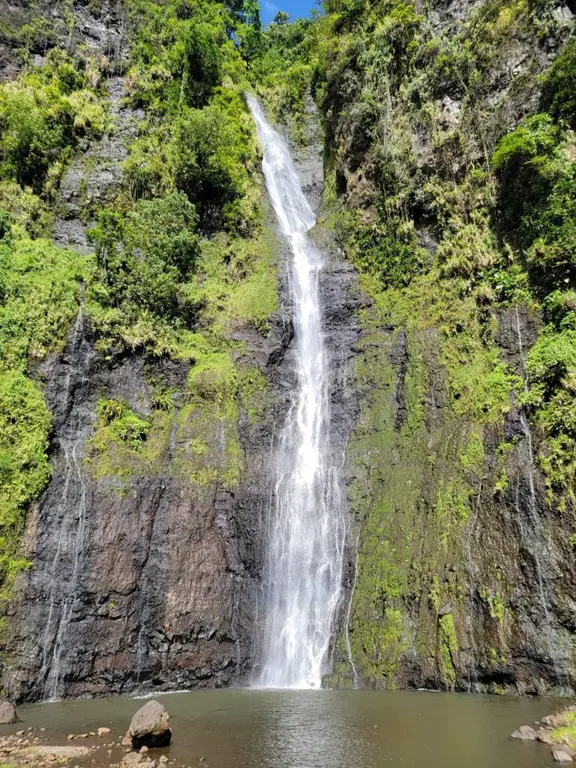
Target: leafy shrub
[
  {"x": 148, "y": 169},
  {"x": 388, "y": 250},
  {"x": 122, "y": 424},
  {"x": 551, "y": 368},
  {"x": 551, "y": 258},
  {"x": 31, "y": 134},
  {"x": 210, "y": 156},
  {"x": 144, "y": 256},
  {"x": 40, "y": 294},
  {"x": 551, "y": 364},
  {"x": 559, "y": 86},
  {"x": 203, "y": 62},
  {"x": 526, "y": 162},
  {"x": 25, "y": 423},
  {"x": 560, "y": 309}
]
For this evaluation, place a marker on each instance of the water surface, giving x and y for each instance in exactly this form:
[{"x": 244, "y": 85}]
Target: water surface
[{"x": 320, "y": 729}]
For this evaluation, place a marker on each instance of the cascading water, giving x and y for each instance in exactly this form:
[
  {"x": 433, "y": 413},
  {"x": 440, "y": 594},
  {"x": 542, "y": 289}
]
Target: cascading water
[{"x": 307, "y": 524}]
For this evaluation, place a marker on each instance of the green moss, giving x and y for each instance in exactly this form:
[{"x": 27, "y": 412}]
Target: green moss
[
  {"x": 566, "y": 732},
  {"x": 39, "y": 296},
  {"x": 472, "y": 456},
  {"x": 118, "y": 440},
  {"x": 495, "y": 603},
  {"x": 448, "y": 647}
]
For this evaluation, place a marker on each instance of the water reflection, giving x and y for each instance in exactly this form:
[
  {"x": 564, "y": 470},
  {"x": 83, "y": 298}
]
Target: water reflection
[
  {"x": 312, "y": 729},
  {"x": 318, "y": 729}
]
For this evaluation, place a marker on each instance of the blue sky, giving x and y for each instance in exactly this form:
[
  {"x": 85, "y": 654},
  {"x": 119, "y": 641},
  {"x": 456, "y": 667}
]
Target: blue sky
[{"x": 294, "y": 8}]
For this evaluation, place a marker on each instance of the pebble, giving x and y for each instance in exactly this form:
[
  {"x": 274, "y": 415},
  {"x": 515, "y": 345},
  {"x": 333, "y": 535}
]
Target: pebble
[
  {"x": 163, "y": 759},
  {"x": 19, "y": 733},
  {"x": 103, "y": 731},
  {"x": 70, "y": 736},
  {"x": 143, "y": 750}
]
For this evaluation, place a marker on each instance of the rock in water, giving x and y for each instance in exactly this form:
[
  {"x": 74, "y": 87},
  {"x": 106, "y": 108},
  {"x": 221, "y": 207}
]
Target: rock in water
[
  {"x": 149, "y": 727},
  {"x": 561, "y": 755},
  {"x": 7, "y": 713},
  {"x": 525, "y": 732}
]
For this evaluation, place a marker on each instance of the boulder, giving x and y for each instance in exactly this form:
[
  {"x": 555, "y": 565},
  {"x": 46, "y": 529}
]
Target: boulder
[
  {"x": 553, "y": 721},
  {"x": 561, "y": 755},
  {"x": 525, "y": 732},
  {"x": 7, "y": 713},
  {"x": 149, "y": 727},
  {"x": 544, "y": 735}
]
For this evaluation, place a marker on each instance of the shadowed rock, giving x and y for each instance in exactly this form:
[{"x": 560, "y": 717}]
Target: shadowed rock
[
  {"x": 7, "y": 713},
  {"x": 150, "y": 727}
]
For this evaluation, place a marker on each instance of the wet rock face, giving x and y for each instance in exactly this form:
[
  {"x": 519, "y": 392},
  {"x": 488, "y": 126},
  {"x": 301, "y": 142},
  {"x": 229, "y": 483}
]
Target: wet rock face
[
  {"x": 148, "y": 583},
  {"x": 142, "y": 578},
  {"x": 94, "y": 177},
  {"x": 103, "y": 33},
  {"x": 483, "y": 583}
]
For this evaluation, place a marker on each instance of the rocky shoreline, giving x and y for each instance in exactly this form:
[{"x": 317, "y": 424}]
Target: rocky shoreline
[
  {"x": 145, "y": 744},
  {"x": 557, "y": 730}
]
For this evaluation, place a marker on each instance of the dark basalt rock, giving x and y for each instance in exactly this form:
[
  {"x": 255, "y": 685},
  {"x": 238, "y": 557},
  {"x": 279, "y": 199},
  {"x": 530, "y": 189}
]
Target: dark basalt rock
[{"x": 152, "y": 582}]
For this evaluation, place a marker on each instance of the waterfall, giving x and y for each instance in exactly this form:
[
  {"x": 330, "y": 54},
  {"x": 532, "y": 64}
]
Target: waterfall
[{"x": 306, "y": 520}]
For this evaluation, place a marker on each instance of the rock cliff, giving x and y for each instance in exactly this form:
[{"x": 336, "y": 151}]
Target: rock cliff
[{"x": 145, "y": 550}]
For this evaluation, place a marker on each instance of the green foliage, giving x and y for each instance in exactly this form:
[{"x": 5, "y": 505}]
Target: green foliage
[
  {"x": 559, "y": 86},
  {"x": 116, "y": 422},
  {"x": 211, "y": 153},
  {"x": 387, "y": 250},
  {"x": 496, "y": 607},
  {"x": 448, "y": 647},
  {"x": 551, "y": 369},
  {"x": 25, "y": 422},
  {"x": 39, "y": 296},
  {"x": 181, "y": 51},
  {"x": 551, "y": 362},
  {"x": 30, "y": 135},
  {"x": 283, "y": 71},
  {"x": 551, "y": 258},
  {"x": 203, "y": 62},
  {"x": 42, "y": 115},
  {"x": 526, "y": 164},
  {"x": 144, "y": 258}
]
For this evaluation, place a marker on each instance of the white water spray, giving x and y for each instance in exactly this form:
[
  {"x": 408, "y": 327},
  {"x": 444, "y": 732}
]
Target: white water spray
[{"x": 307, "y": 524}]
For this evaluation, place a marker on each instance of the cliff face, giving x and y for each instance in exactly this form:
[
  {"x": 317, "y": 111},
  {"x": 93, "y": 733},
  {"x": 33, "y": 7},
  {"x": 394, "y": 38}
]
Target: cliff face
[
  {"x": 141, "y": 578},
  {"x": 145, "y": 550},
  {"x": 146, "y": 557},
  {"x": 464, "y": 573}
]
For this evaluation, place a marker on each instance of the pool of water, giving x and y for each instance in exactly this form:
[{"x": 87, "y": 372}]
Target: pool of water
[{"x": 236, "y": 728}]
